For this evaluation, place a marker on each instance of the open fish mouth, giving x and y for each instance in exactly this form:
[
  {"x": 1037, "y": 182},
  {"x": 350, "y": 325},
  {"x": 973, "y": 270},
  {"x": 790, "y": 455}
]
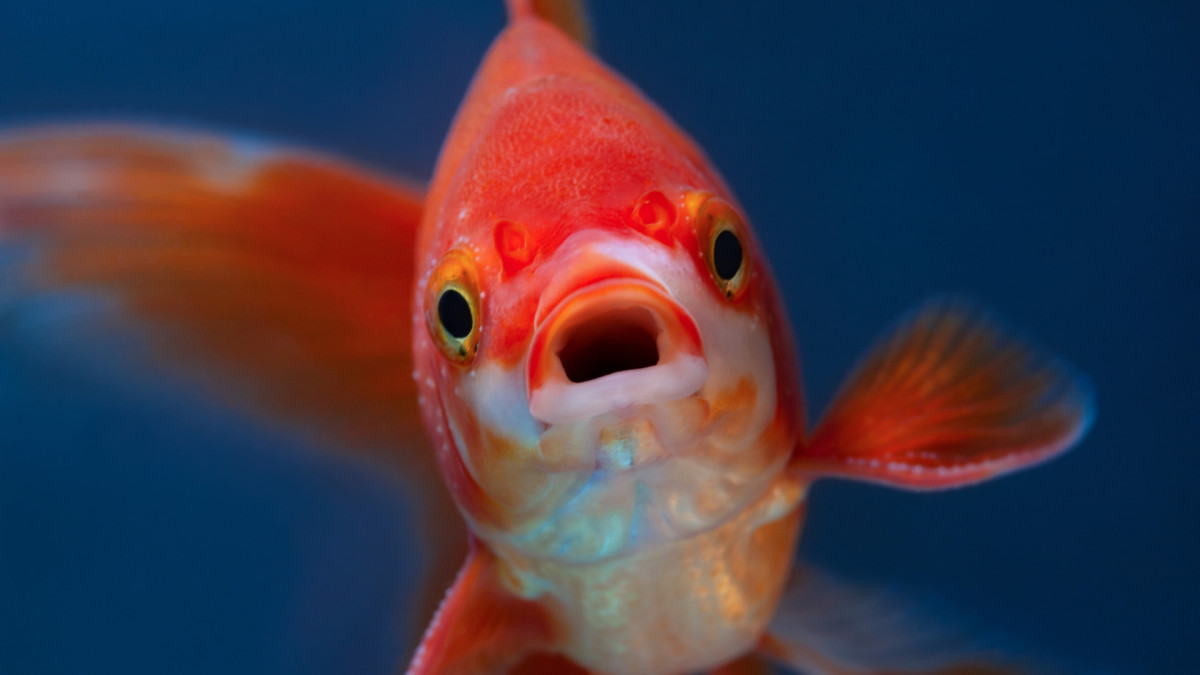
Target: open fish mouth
[{"x": 612, "y": 345}]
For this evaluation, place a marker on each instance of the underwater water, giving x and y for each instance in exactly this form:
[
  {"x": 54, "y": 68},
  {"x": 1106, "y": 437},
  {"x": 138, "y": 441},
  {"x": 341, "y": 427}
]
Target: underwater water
[{"x": 1043, "y": 157}]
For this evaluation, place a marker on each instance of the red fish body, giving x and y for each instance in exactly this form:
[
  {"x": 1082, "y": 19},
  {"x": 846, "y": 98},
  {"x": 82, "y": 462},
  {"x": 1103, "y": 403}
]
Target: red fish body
[
  {"x": 602, "y": 362},
  {"x": 608, "y": 498}
]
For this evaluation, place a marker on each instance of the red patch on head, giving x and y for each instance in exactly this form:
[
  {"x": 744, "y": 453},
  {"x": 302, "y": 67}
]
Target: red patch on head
[
  {"x": 515, "y": 246},
  {"x": 654, "y": 215}
]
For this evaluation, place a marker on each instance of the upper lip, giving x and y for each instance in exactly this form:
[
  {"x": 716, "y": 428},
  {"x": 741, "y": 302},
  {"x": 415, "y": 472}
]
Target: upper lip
[{"x": 592, "y": 273}]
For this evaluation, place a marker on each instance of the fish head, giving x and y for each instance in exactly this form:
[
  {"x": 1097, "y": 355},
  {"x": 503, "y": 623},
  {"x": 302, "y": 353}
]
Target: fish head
[{"x": 602, "y": 356}]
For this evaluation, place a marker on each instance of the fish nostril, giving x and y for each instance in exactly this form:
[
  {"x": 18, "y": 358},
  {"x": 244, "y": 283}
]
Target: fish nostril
[{"x": 610, "y": 342}]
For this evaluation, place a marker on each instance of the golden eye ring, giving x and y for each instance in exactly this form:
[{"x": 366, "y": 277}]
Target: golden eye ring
[
  {"x": 725, "y": 246},
  {"x": 452, "y": 310}
]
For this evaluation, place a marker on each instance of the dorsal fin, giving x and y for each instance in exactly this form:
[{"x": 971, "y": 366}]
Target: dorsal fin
[{"x": 569, "y": 15}]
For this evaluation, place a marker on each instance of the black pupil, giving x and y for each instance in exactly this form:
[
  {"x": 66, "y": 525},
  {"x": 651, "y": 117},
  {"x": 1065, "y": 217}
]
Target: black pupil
[
  {"x": 727, "y": 255},
  {"x": 455, "y": 314}
]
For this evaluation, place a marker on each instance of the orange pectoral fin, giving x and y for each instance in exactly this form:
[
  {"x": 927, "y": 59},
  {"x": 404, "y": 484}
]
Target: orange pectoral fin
[
  {"x": 481, "y": 627},
  {"x": 948, "y": 399},
  {"x": 277, "y": 281}
]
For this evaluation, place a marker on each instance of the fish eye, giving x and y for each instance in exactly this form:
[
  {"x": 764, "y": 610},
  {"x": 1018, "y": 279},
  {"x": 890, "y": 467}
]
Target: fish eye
[
  {"x": 727, "y": 255},
  {"x": 452, "y": 307},
  {"x": 455, "y": 314},
  {"x": 725, "y": 250}
]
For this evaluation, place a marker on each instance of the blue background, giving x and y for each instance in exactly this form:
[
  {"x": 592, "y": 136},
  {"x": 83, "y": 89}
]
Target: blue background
[{"x": 1042, "y": 156}]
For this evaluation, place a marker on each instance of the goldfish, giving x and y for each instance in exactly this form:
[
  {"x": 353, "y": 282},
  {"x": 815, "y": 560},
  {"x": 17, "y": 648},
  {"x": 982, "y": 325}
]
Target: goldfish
[{"x": 574, "y": 326}]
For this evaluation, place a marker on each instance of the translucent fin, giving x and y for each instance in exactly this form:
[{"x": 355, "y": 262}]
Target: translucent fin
[
  {"x": 828, "y": 628},
  {"x": 569, "y": 15},
  {"x": 481, "y": 628},
  {"x": 278, "y": 281},
  {"x": 948, "y": 399}
]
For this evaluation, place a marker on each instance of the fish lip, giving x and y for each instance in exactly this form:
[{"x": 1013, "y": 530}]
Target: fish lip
[
  {"x": 560, "y": 291},
  {"x": 680, "y": 371}
]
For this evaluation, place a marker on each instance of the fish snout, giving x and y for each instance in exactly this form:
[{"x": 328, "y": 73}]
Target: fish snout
[{"x": 609, "y": 345}]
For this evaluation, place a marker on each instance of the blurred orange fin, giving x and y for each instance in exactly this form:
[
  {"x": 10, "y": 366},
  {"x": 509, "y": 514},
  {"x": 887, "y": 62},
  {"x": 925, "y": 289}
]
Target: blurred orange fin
[
  {"x": 948, "y": 399},
  {"x": 282, "y": 280},
  {"x": 569, "y": 15},
  {"x": 277, "y": 280},
  {"x": 482, "y": 628}
]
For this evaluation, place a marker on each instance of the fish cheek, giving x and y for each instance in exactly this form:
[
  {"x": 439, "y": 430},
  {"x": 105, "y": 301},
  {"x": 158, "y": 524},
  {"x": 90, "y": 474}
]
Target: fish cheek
[
  {"x": 511, "y": 473},
  {"x": 729, "y": 442},
  {"x": 466, "y": 440},
  {"x": 511, "y": 481},
  {"x": 734, "y": 406}
]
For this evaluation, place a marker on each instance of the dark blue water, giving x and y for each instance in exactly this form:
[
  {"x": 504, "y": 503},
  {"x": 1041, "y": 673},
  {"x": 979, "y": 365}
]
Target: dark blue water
[{"x": 1042, "y": 156}]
